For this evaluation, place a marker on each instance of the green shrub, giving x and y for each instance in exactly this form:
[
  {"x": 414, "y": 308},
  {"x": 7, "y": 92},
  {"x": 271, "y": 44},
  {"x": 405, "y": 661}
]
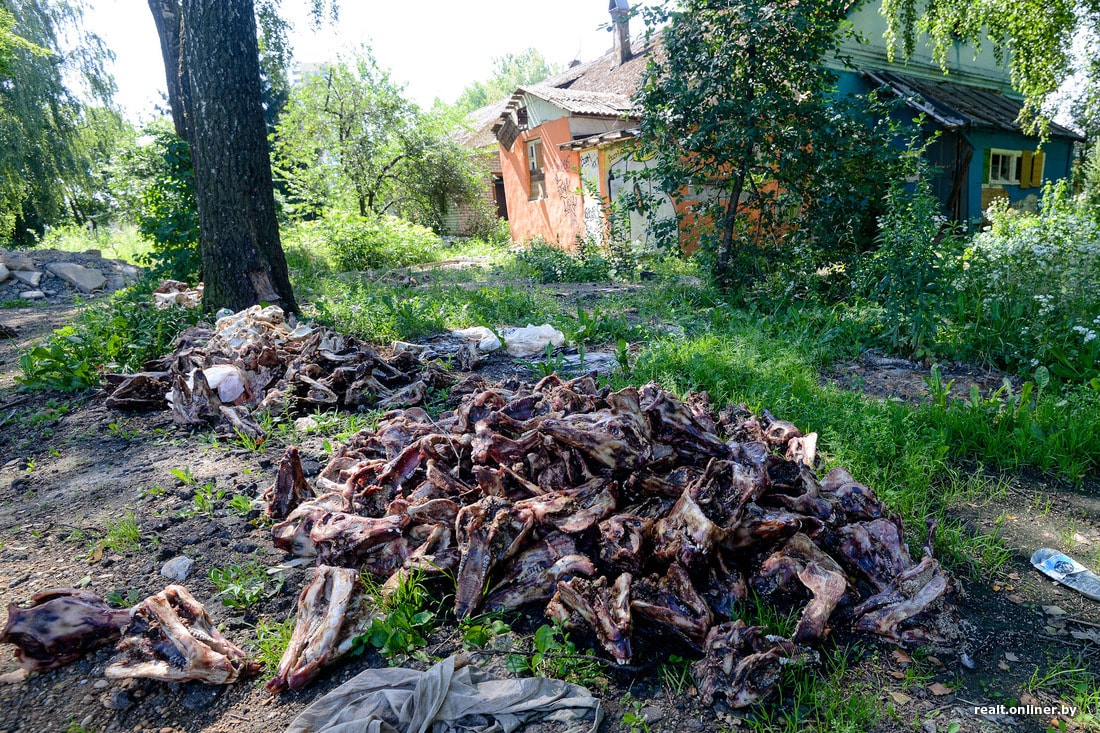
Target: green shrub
[
  {"x": 116, "y": 334},
  {"x": 156, "y": 188},
  {"x": 546, "y": 263},
  {"x": 911, "y": 272},
  {"x": 359, "y": 243}
]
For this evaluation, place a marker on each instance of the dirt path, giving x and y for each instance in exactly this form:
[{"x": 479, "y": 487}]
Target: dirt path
[{"x": 31, "y": 325}]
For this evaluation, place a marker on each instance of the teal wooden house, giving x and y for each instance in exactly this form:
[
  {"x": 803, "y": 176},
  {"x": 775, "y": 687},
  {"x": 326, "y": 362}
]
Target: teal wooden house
[{"x": 980, "y": 154}]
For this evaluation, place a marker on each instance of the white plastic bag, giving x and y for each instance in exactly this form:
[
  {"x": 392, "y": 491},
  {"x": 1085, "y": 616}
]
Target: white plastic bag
[
  {"x": 486, "y": 340},
  {"x": 523, "y": 343}
]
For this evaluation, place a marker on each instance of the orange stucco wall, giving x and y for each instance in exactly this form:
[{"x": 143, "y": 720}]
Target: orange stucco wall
[{"x": 559, "y": 217}]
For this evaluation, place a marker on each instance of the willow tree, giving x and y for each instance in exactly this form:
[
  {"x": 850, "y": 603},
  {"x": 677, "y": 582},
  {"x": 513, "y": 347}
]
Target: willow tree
[{"x": 51, "y": 72}]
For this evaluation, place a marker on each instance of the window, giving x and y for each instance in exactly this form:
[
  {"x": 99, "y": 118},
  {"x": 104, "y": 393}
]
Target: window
[
  {"x": 534, "y": 168},
  {"x": 1004, "y": 167},
  {"x": 534, "y": 155}
]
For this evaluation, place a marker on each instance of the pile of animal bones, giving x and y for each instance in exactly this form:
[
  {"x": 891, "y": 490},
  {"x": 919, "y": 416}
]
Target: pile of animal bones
[
  {"x": 255, "y": 361},
  {"x": 631, "y": 517}
]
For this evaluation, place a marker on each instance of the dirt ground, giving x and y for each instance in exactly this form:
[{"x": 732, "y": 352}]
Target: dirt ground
[{"x": 65, "y": 471}]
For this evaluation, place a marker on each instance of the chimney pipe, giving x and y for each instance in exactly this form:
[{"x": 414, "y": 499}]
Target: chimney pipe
[{"x": 620, "y": 27}]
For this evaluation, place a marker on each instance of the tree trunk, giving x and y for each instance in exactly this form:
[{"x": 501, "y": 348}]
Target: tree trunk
[
  {"x": 725, "y": 244},
  {"x": 242, "y": 259},
  {"x": 169, "y": 22}
]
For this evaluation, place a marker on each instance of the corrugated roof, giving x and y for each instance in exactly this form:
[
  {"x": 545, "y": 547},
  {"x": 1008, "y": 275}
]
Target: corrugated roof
[
  {"x": 480, "y": 124},
  {"x": 579, "y": 102},
  {"x": 958, "y": 105},
  {"x": 605, "y": 74}
]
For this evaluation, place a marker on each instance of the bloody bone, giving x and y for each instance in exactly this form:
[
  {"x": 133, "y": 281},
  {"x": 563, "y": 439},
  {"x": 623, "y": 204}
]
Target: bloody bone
[
  {"x": 332, "y": 611},
  {"x": 290, "y": 488},
  {"x": 171, "y": 638},
  {"x": 534, "y": 574},
  {"x": 799, "y": 558},
  {"x": 602, "y": 609},
  {"x": 743, "y": 664},
  {"x": 59, "y": 626},
  {"x": 611, "y": 510}
]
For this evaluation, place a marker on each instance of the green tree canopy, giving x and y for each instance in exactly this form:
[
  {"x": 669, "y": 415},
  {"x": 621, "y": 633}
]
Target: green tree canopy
[
  {"x": 44, "y": 150},
  {"x": 10, "y": 42},
  {"x": 509, "y": 71},
  {"x": 349, "y": 139},
  {"x": 740, "y": 124}
]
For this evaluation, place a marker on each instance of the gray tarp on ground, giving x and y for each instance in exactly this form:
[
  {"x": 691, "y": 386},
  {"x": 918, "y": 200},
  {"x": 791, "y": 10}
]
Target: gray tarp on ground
[{"x": 443, "y": 699}]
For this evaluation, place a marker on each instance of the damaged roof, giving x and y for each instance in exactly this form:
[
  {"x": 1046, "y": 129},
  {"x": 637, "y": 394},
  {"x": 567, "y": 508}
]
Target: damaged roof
[
  {"x": 960, "y": 106},
  {"x": 606, "y": 74},
  {"x": 596, "y": 141},
  {"x": 579, "y": 102},
  {"x": 480, "y": 124},
  {"x": 599, "y": 88}
]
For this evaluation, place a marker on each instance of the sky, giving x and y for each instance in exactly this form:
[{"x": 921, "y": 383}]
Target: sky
[{"x": 437, "y": 47}]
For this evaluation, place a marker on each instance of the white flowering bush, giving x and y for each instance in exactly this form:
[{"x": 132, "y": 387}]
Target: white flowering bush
[{"x": 1028, "y": 294}]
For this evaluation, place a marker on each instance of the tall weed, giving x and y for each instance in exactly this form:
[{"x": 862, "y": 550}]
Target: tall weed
[
  {"x": 118, "y": 333},
  {"x": 911, "y": 272}
]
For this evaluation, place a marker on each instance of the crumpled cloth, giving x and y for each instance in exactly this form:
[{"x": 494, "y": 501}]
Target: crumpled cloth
[{"x": 442, "y": 699}]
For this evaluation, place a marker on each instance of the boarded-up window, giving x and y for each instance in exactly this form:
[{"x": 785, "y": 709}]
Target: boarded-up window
[{"x": 507, "y": 133}]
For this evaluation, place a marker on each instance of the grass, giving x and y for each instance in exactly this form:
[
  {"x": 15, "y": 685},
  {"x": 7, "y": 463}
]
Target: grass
[
  {"x": 675, "y": 675},
  {"x": 812, "y": 701},
  {"x": 1071, "y": 682},
  {"x": 272, "y": 639},
  {"x": 383, "y": 313},
  {"x": 123, "y": 243},
  {"x": 240, "y": 585},
  {"x": 122, "y": 535}
]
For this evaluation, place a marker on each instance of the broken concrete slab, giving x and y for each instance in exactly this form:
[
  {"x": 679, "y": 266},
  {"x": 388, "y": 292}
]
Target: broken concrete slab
[
  {"x": 18, "y": 262},
  {"x": 32, "y": 295},
  {"x": 4, "y": 273},
  {"x": 28, "y": 277},
  {"x": 84, "y": 278}
]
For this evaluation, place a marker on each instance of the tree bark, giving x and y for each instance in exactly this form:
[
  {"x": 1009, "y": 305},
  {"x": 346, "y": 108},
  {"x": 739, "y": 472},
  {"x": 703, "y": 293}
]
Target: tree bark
[
  {"x": 724, "y": 254},
  {"x": 169, "y": 22},
  {"x": 242, "y": 259}
]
